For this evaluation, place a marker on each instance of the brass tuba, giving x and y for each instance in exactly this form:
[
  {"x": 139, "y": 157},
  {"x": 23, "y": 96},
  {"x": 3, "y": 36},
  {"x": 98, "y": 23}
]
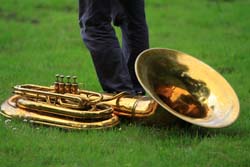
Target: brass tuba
[{"x": 184, "y": 86}]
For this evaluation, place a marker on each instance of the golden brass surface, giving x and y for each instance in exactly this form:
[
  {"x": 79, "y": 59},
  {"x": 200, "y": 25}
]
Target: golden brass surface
[
  {"x": 138, "y": 106},
  {"x": 187, "y": 88},
  {"x": 10, "y": 109},
  {"x": 61, "y": 106}
]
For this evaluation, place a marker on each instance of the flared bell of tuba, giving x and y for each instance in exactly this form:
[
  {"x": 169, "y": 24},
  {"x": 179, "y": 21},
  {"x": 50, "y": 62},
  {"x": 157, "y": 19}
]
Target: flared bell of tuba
[{"x": 187, "y": 88}]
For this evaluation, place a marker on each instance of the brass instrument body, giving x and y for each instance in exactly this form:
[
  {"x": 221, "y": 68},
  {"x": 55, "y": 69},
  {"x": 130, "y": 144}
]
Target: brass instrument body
[
  {"x": 43, "y": 105},
  {"x": 81, "y": 109},
  {"x": 11, "y": 110},
  {"x": 123, "y": 104}
]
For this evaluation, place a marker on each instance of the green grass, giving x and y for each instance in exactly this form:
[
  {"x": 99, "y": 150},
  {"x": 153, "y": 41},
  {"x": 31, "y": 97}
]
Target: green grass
[{"x": 41, "y": 38}]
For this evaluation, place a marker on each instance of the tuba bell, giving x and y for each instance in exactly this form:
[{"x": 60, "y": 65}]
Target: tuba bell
[{"x": 185, "y": 87}]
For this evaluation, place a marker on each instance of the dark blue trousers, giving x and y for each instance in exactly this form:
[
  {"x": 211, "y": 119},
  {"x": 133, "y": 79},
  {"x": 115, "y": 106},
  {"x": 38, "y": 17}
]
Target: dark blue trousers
[{"x": 114, "y": 64}]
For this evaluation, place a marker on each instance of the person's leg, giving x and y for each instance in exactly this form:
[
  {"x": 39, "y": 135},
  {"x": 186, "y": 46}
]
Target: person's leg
[
  {"x": 117, "y": 13},
  {"x": 135, "y": 35},
  {"x": 99, "y": 37}
]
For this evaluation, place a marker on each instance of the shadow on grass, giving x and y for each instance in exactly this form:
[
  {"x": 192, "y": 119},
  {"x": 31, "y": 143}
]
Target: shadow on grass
[
  {"x": 164, "y": 122},
  {"x": 13, "y": 16},
  {"x": 161, "y": 126}
]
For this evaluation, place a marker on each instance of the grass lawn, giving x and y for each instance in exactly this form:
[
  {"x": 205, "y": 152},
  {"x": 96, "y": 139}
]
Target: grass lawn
[{"x": 39, "y": 39}]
